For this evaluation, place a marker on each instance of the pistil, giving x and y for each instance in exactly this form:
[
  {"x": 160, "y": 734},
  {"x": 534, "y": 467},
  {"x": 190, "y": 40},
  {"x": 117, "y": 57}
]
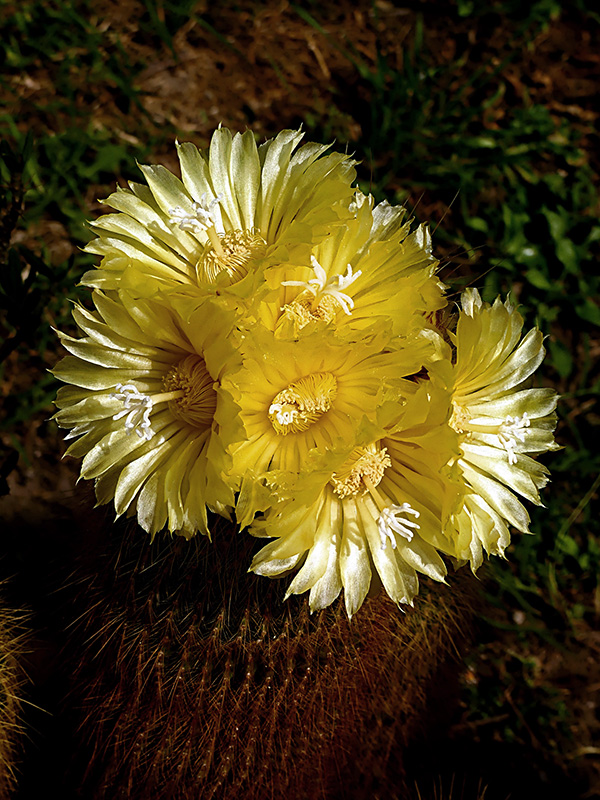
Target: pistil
[
  {"x": 189, "y": 392},
  {"x": 302, "y": 403},
  {"x": 323, "y": 296},
  {"x": 203, "y": 219},
  {"x": 510, "y": 431},
  {"x": 138, "y": 406},
  {"x": 390, "y": 522}
]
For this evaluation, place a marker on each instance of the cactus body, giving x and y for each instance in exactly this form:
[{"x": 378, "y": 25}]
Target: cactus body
[{"x": 195, "y": 680}]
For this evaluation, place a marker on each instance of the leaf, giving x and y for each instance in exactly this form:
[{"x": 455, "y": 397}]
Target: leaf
[
  {"x": 556, "y": 223},
  {"x": 589, "y": 311},
  {"x": 569, "y": 546},
  {"x": 567, "y": 255},
  {"x": 478, "y": 224},
  {"x": 537, "y": 278},
  {"x": 561, "y": 358}
]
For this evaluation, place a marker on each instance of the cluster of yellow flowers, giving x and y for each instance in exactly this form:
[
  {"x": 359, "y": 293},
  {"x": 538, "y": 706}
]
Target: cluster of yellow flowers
[{"x": 264, "y": 346}]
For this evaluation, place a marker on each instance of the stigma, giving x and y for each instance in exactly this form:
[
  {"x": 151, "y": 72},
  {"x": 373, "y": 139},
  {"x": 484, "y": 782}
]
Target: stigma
[
  {"x": 511, "y": 432},
  {"x": 391, "y": 522},
  {"x": 302, "y": 403},
  {"x": 202, "y": 219},
  {"x": 189, "y": 392},
  {"x": 137, "y": 408},
  {"x": 322, "y": 297}
]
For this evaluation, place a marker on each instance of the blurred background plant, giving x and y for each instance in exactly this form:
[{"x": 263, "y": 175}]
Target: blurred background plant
[{"x": 482, "y": 118}]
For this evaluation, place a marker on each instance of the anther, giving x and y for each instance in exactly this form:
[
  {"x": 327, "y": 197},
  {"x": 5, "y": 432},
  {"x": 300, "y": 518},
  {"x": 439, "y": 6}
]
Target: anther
[{"x": 362, "y": 472}]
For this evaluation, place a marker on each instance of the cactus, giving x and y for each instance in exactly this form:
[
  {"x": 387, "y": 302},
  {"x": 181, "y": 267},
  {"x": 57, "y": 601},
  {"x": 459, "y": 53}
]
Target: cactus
[
  {"x": 11, "y": 681},
  {"x": 193, "y": 679}
]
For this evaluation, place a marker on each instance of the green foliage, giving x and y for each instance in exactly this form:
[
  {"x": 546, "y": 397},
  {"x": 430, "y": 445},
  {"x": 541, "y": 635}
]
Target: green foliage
[
  {"x": 33, "y": 293},
  {"x": 167, "y": 17},
  {"x": 539, "y": 12},
  {"x": 88, "y": 66},
  {"x": 63, "y": 165},
  {"x": 66, "y": 37}
]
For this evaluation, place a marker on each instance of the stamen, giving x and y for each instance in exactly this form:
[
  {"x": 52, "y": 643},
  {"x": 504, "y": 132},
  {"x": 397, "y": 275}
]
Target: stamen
[
  {"x": 459, "y": 419},
  {"x": 362, "y": 472},
  {"x": 202, "y": 219},
  {"x": 137, "y": 409},
  {"x": 190, "y": 391},
  {"x": 235, "y": 256},
  {"x": 389, "y": 522},
  {"x": 321, "y": 287},
  {"x": 511, "y": 431}
]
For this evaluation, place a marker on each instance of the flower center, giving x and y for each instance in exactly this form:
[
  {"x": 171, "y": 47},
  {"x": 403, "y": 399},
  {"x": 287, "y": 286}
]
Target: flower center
[
  {"x": 459, "y": 419},
  {"x": 195, "y": 399},
  {"x": 362, "y": 471},
  {"x": 322, "y": 297},
  {"x": 294, "y": 409},
  {"x": 234, "y": 254},
  {"x": 301, "y": 312}
]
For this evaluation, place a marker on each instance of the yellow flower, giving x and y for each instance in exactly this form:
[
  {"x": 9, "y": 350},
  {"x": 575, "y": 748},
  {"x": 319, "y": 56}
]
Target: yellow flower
[
  {"x": 377, "y": 519},
  {"x": 369, "y": 268},
  {"x": 498, "y": 422},
  {"x": 306, "y": 396},
  {"x": 232, "y": 210},
  {"x": 263, "y": 341},
  {"x": 147, "y": 410}
]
